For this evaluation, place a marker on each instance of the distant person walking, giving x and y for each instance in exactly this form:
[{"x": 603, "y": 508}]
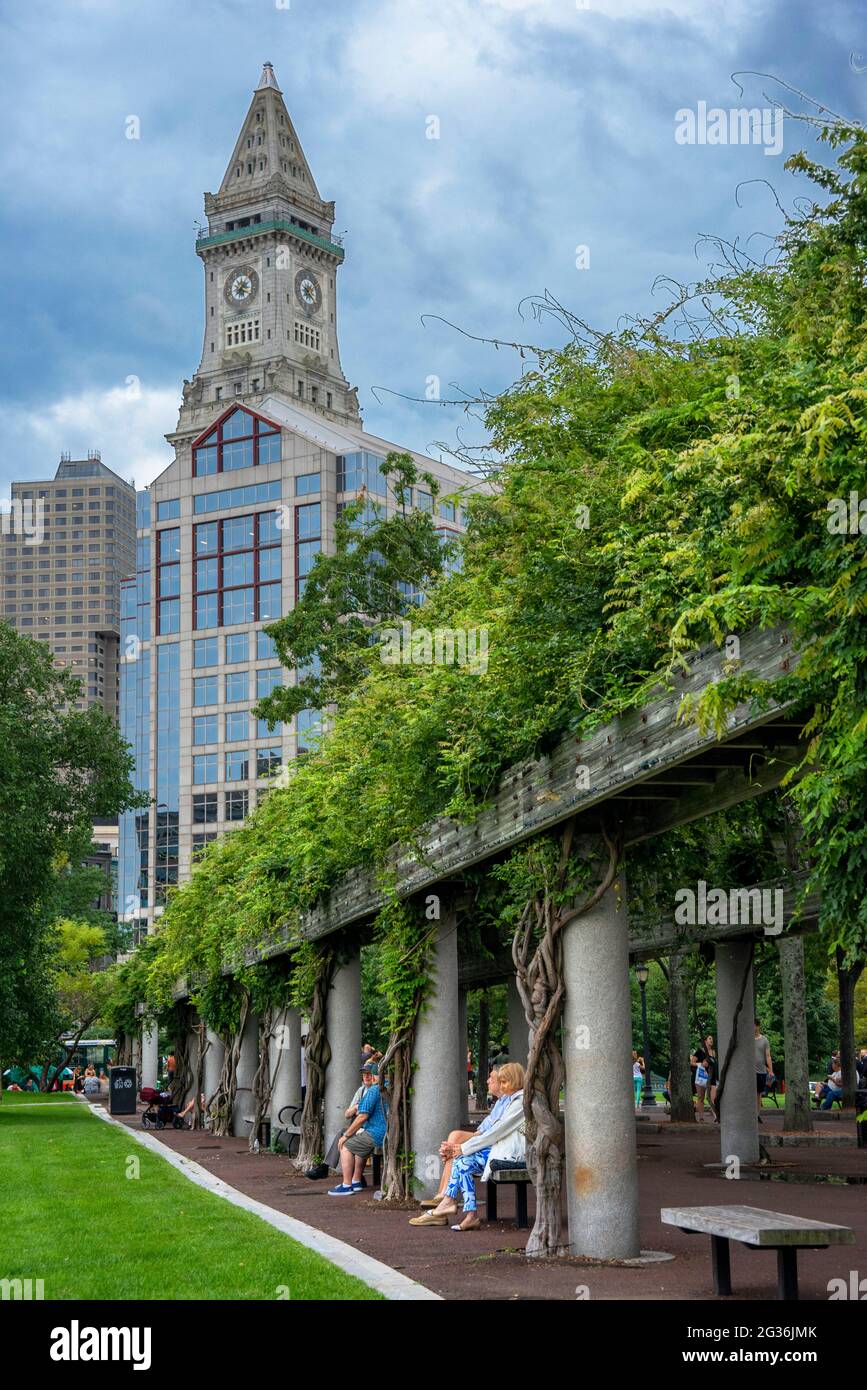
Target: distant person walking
[
  {"x": 764, "y": 1067},
  {"x": 702, "y": 1080},
  {"x": 637, "y": 1076},
  {"x": 712, "y": 1067}
]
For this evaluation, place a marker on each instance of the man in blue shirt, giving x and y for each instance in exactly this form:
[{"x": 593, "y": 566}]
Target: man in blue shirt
[{"x": 364, "y": 1134}]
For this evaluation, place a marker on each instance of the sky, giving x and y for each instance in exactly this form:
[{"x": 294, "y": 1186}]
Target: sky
[{"x": 557, "y": 129}]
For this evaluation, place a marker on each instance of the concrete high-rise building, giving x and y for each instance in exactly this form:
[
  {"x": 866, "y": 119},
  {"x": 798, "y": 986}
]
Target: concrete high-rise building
[
  {"x": 61, "y": 570},
  {"x": 269, "y": 446}
]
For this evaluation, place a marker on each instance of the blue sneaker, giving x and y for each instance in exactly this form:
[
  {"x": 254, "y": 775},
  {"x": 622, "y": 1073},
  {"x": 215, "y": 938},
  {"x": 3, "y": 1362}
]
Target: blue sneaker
[
  {"x": 341, "y": 1190},
  {"x": 359, "y": 1186}
]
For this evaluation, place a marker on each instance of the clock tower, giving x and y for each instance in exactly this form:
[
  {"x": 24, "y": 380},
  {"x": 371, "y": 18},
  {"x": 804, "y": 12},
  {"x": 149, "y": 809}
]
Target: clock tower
[{"x": 271, "y": 261}]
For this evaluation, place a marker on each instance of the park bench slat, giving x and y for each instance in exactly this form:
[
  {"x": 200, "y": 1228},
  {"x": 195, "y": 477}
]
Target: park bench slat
[
  {"x": 755, "y": 1226},
  {"x": 509, "y": 1175}
]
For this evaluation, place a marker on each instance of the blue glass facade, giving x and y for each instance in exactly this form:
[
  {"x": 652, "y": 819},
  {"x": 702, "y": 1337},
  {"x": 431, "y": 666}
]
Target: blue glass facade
[
  {"x": 168, "y": 752},
  {"x": 135, "y": 671}
]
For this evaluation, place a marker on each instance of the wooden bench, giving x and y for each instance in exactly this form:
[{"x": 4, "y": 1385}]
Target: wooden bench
[
  {"x": 519, "y": 1178},
  {"x": 756, "y": 1229}
]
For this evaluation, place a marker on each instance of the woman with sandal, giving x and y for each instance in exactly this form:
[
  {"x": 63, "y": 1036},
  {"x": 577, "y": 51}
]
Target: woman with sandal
[
  {"x": 500, "y": 1136},
  {"x": 452, "y": 1144}
]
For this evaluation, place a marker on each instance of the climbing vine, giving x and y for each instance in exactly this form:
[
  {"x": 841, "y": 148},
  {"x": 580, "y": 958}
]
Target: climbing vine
[{"x": 405, "y": 937}]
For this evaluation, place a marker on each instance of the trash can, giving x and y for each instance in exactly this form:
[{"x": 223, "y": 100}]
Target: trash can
[{"x": 121, "y": 1090}]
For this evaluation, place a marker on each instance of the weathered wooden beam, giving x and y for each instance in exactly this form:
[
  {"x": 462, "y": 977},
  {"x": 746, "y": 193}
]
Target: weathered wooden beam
[{"x": 620, "y": 759}]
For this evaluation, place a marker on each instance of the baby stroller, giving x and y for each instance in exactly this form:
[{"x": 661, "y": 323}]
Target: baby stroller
[{"x": 160, "y": 1110}]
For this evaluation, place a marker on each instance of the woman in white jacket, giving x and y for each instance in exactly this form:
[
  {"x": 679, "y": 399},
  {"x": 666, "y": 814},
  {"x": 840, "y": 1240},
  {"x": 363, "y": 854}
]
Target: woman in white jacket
[{"x": 472, "y": 1158}]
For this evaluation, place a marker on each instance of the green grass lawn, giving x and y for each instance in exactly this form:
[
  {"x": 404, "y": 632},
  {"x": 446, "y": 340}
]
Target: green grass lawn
[
  {"x": 37, "y": 1097},
  {"x": 72, "y": 1217}
]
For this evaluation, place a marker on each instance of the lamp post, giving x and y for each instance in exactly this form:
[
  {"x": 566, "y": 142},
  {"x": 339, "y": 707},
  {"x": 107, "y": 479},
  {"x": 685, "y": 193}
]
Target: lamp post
[{"x": 641, "y": 974}]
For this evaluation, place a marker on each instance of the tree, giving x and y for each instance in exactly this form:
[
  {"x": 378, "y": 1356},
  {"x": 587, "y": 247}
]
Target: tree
[{"x": 60, "y": 769}]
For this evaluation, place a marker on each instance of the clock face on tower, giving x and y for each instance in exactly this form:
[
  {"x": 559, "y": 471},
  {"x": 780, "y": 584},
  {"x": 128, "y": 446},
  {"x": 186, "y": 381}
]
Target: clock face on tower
[
  {"x": 308, "y": 291},
  {"x": 242, "y": 285}
]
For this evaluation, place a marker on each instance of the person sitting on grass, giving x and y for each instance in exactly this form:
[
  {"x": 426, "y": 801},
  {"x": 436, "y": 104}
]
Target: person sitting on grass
[
  {"x": 502, "y": 1140},
  {"x": 363, "y": 1135}
]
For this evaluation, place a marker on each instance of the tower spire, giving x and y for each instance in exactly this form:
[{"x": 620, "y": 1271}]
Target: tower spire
[
  {"x": 268, "y": 151},
  {"x": 268, "y": 79}
]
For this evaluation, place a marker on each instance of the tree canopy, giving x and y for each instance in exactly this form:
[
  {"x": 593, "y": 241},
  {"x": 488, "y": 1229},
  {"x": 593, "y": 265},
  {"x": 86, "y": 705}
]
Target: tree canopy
[{"x": 60, "y": 769}]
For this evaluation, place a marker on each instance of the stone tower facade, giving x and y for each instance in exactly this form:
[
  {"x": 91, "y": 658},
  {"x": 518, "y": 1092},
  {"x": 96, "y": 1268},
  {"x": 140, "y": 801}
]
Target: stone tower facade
[{"x": 271, "y": 261}]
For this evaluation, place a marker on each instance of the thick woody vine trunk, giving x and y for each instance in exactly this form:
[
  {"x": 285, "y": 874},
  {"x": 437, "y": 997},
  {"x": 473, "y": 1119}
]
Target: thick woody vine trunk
[
  {"x": 539, "y": 977},
  {"x": 199, "y": 1080},
  {"x": 123, "y": 1050},
  {"x": 318, "y": 1054},
  {"x": 397, "y": 1167},
  {"x": 183, "y": 1071},
  {"x": 797, "y": 1115},
  {"x": 678, "y": 1040},
  {"x": 263, "y": 1080},
  {"x": 223, "y": 1100},
  {"x": 847, "y": 978}
]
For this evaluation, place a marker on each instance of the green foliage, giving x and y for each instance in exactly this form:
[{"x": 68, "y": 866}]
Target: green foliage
[
  {"x": 60, "y": 769},
  {"x": 367, "y": 581},
  {"x": 708, "y": 467}
]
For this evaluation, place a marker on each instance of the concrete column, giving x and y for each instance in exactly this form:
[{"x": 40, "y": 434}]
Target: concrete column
[
  {"x": 248, "y": 1061},
  {"x": 739, "y": 1134},
  {"x": 343, "y": 1029},
  {"x": 150, "y": 1061},
  {"x": 213, "y": 1063},
  {"x": 601, "y": 1167},
  {"x": 463, "y": 1080},
  {"x": 519, "y": 1028},
  {"x": 285, "y": 1059},
  {"x": 436, "y": 1101}
]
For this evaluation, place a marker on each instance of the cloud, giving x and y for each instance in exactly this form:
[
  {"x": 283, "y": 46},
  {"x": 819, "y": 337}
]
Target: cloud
[{"x": 126, "y": 423}]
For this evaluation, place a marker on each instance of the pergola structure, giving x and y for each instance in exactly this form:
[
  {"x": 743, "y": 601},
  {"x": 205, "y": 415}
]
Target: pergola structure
[{"x": 650, "y": 770}]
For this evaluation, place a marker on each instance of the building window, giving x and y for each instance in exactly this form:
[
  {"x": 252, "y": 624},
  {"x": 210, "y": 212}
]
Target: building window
[
  {"x": 241, "y": 440},
  {"x": 306, "y": 335},
  {"x": 166, "y": 511},
  {"x": 237, "y": 570},
  {"x": 266, "y": 730},
  {"x": 265, "y": 646},
  {"x": 237, "y": 726},
  {"x": 204, "y": 768},
  {"x": 361, "y": 470},
  {"x": 237, "y": 766},
  {"x": 268, "y": 679},
  {"x": 267, "y": 761},
  {"x": 236, "y": 497},
  {"x": 237, "y": 687},
  {"x": 205, "y": 690},
  {"x": 306, "y": 483},
  {"x": 204, "y": 808},
  {"x": 205, "y": 728},
  {"x": 206, "y": 652},
  {"x": 237, "y": 648},
  {"x": 309, "y": 725},
  {"x": 308, "y": 542},
  {"x": 237, "y": 804},
  {"x": 243, "y": 331},
  {"x": 169, "y": 579}
]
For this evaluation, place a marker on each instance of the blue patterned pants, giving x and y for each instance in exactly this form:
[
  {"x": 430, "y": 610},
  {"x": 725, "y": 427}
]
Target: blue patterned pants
[{"x": 464, "y": 1169}]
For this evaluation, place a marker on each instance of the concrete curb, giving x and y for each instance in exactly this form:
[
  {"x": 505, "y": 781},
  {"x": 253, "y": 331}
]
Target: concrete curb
[{"x": 387, "y": 1281}]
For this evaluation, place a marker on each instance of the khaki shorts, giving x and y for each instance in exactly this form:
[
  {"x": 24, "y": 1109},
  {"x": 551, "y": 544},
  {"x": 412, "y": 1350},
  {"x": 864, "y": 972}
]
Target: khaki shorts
[{"x": 360, "y": 1144}]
